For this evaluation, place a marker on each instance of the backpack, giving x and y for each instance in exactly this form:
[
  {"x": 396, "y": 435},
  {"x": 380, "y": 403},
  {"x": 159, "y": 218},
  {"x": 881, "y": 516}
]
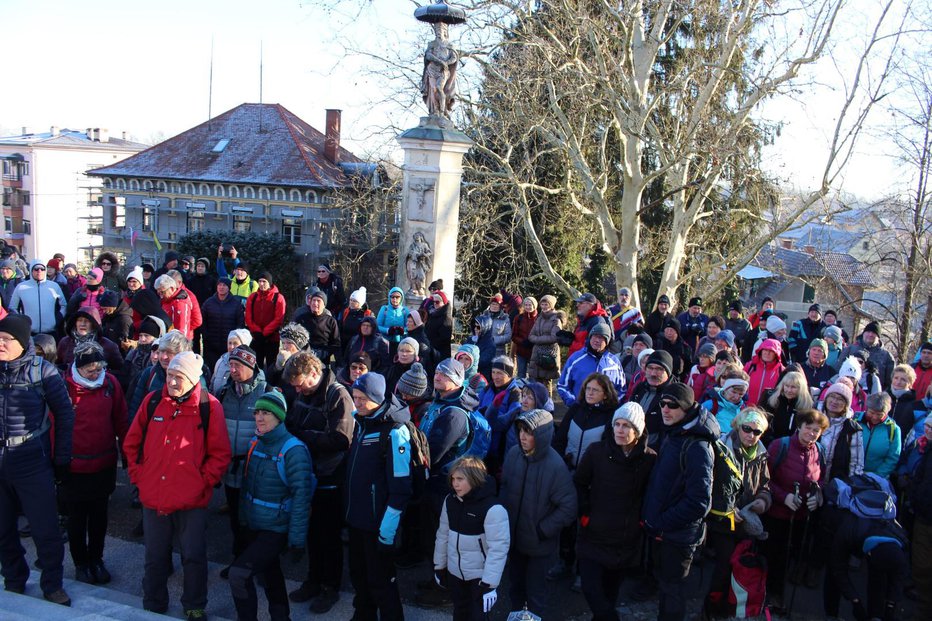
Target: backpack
[
  {"x": 34, "y": 382},
  {"x": 203, "y": 408},
  {"x": 727, "y": 478},
  {"x": 865, "y": 495},
  {"x": 748, "y": 590},
  {"x": 279, "y": 461},
  {"x": 419, "y": 454},
  {"x": 785, "y": 446},
  {"x": 479, "y": 438}
]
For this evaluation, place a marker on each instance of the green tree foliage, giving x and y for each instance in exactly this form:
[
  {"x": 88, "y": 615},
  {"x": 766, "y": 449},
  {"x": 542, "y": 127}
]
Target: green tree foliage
[{"x": 263, "y": 252}]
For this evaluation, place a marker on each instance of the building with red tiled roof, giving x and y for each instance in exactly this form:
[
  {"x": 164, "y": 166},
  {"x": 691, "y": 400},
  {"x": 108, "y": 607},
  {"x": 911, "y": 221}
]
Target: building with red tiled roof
[{"x": 255, "y": 168}]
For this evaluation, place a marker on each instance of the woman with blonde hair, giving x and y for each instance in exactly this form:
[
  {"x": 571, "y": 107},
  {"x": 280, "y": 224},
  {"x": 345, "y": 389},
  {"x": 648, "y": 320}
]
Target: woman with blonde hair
[{"x": 790, "y": 396}]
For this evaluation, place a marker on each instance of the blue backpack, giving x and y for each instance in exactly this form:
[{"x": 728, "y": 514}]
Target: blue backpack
[
  {"x": 479, "y": 438},
  {"x": 279, "y": 461}
]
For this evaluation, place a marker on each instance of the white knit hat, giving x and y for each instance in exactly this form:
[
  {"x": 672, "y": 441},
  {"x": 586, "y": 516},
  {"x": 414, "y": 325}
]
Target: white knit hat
[
  {"x": 359, "y": 295},
  {"x": 850, "y": 368},
  {"x": 633, "y": 413},
  {"x": 137, "y": 274}
]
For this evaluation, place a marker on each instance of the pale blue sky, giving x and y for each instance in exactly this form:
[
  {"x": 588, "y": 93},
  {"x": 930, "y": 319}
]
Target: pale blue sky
[{"x": 143, "y": 67}]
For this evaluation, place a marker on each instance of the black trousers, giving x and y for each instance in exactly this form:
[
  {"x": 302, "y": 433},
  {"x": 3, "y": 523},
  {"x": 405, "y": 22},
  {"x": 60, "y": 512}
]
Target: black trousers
[
  {"x": 373, "y": 576},
  {"x": 467, "y": 599},
  {"x": 190, "y": 528},
  {"x": 261, "y": 555},
  {"x": 671, "y": 567},
  {"x": 529, "y": 583},
  {"x": 324, "y": 544},
  {"x": 233, "y": 498},
  {"x": 266, "y": 349},
  {"x": 87, "y": 529},
  {"x": 600, "y": 587},
  {"x": 716, "y": 601},
  {"x": 777, "y": 550}
]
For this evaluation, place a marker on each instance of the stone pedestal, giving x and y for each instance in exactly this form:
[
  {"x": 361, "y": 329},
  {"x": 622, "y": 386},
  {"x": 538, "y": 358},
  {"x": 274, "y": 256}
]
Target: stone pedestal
[{"x": 433, "y": 172}]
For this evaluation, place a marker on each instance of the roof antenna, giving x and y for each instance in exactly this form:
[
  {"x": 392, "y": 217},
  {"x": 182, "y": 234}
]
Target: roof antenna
[
  {"x": 210, "y": 87},
  {"x": 261, "y": 107}
]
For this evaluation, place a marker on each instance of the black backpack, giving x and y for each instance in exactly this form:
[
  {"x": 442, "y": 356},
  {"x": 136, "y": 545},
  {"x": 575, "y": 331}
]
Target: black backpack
[{"x": 727, "y": 478}]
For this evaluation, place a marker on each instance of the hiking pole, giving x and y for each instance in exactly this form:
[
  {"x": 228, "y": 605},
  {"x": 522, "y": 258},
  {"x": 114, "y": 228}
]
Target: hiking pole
[
  {"x": 813, "y": 490},
  {"x": 789, "y": 537}
]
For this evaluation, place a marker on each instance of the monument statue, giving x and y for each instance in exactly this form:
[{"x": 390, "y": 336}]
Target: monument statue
[
  {"x": 418, "y": 261},
  {"x": 438, "y": 81}
]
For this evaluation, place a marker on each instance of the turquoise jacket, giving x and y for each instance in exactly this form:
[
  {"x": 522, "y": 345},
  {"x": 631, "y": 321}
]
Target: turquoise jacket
[
  {"x": 723, "y": 410},
  {"x": 390, "y": 317},
  {"x": 882, "y": 446},
  {"x": 266, "y": 501}
]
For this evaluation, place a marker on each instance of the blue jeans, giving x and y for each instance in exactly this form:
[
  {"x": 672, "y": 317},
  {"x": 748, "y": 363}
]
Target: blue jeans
[{"x": 27, "y": 482}]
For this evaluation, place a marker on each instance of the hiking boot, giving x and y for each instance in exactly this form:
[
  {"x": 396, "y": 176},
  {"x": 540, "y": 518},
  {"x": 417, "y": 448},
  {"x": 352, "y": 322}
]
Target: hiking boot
[
  {"x": 99, "y": 572},
  {"x": 82, "y": 573},
  {"x": 15, "y": 588},
  {"x": 325, "y": 601},
  {"x": 438, "y": 598},
  {"x": 58, "y": 597},
  {"x": 197, "y": 614},
  {"x": 306, "y": 592},
  {"x": 560, "y": 570}
]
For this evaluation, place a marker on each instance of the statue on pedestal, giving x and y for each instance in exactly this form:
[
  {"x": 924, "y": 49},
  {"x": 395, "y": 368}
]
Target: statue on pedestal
[
  {"x": 438, "y": 81},
  {"x": 418, "y": 261}
]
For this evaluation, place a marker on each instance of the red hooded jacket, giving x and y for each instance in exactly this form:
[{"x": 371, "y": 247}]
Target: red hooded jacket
[
  {"x": 184, "y": 311},
  {"x": 265, "y": 312},
  {"x": 763, "y": 376},
  {"x": 581, "y": 333},
  {"x": 99, "y": 419}
]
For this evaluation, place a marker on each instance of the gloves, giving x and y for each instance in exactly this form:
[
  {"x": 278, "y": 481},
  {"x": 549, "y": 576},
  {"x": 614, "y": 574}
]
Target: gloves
[
  {"x": 62, "y": 472},
  {"x": 583, "y": 521},
  {"x": 857, "y": 608},
  {"x": 813, "y": 502},
  {"x": 440, "y": 577},
  {"x": 793, "y": 502},
  {"x": 489, "y": 597},
  {"x": 294, "y": 554}
]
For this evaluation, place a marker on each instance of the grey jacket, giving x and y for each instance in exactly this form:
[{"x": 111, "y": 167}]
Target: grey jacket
[
  {"x": 544, "y": 336},
  {"x": 241, "y": 424},
  {"x": 537, "y": 490},
  {"x": 501, "y": 330}
]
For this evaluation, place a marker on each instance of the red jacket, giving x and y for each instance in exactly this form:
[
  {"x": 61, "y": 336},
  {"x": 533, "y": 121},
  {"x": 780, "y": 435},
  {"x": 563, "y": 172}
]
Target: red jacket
[
  {"x": 520, "y": 330},
  {"x": 799, "y": 465},
  {"x": 763, "y": 377},
  {"x": 99, "y": 419},
  {"x": 181, "y": 463},
  {"x": 265, "y": 312},
  {"x": 923, "y": 379},
  {"x": 184, "y": 312},
  {"x": 701, "y": 380},
  {"x": 583, "y": 326}
]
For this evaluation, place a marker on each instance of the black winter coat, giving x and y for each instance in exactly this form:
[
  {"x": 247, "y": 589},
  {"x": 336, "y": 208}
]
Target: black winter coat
[
  {"x": 324, "y": 332},
  {"x": 611, "y": 487},
  {"x": 219, "y": 318},
  {"x": 682, "y": 355},
  {"x": 202, "y": 286},
  {"x": 439, "y": 330}
]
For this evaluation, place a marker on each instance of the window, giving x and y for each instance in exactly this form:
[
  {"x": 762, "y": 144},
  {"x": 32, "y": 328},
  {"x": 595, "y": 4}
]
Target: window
[
  {"x": 148, "y": 219},
  {"x": 291, "y": 231},
  {"x": 8, "y": 224},
  {"x": 808, "y": 294},
  {"x": 7, "y": 196},
  {"x": 195, "y": 221},
  {"x": 25, "y": 197},
  {"x": 866, "y": 245},
  {"x": 95, "y": 226},
  {"x": 118, "y": 221},
  {"x": 242, "y": 223},
  {"x": 27, "y": 227}
]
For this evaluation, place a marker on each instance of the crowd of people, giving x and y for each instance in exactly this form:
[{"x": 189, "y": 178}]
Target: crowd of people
[{"x": 732, "y": 437}]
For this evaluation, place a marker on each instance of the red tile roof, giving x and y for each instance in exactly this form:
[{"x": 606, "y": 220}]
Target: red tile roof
[{"x": 285, "y": 152}]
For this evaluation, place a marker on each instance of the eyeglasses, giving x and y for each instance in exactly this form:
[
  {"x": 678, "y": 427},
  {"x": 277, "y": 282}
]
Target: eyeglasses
[
  {"x": 670, "y": 405},
  {"x": 106, "y": 263},
  {"x": 751, "y": 430},
  {"x": 6, "y": 340}
]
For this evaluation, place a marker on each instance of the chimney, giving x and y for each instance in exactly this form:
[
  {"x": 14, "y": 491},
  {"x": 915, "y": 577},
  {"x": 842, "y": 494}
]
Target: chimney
[
  {"x": 54, "y": 130},
  {"x": 810, "y": 250},
  {"x": 332, "y": 140},
  {"x": 124, "y": 135},
  {"x": 103, "y": 134}
]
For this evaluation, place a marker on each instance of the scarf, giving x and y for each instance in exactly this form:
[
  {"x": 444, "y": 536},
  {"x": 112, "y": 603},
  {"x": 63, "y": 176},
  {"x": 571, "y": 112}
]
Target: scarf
[{"x": 86, "y": 383}]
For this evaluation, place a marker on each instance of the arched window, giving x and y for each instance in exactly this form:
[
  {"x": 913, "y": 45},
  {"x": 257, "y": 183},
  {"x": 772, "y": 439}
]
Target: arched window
[
  {"x": 233, "y": 191},
  {"x": 189, "y": 188},
  {"x": 203, "y": 189},
  {"x": 147, "y": 185},
  {"x": 249, "y": 192},
  {"x": 108, "y": 183},
  {"x": 133, "y": 184},
  {"x": 121, "y": 184},
  {"x": 162, "y": 186},
  {"x": 311, "y": 196},
  {"x": 218, "y": 190},
  {"x": 295, "y": 196},
  {"x": 279, "y": 194},
  {"x": 176, "y": 189},
  {"x": 263, "y": 193}
]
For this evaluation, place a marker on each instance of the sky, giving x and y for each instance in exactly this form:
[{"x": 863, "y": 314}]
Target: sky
[{"x": 144, "y": 68}]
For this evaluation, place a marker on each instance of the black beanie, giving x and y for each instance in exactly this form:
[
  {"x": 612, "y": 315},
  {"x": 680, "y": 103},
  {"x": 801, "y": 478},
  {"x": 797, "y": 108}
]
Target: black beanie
[
  {"x": 19, "y": 327},
  {"x": 681, "y": 393},
  {"x": 151, "y": 327},
  {"x": 266, "y": 276},
  {"x": 872, "y": 327}
]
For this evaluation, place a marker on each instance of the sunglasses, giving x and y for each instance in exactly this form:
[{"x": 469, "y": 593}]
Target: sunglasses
[
  {"x": 670, "y": 405},
  {"x": 38, "y": 269},
  {"x": 106, "y": 263},
  {"x": 751, "y": 430}
]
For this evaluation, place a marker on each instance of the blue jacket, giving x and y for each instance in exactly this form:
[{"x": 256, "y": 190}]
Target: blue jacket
[
  {"x": 446, "y": 425},
  {"x": 485, "y": 341},
  {"x": 578, "y": 368},
  {"x": 390, "y": 317},
  {"x": 679, "y": 494},
  {"x": 801, "y": 335},
  {"x": 495, "y": 406},
  {"x": 692, "y": 328},
  {"x": 473, "y": 378},
  {"x": 266, "y": 502},
  {"x": 241, "y": 424},
  {"x": 724, "y": 410},
  {"x": 378, "y": 479},
  {"x": 882, "y": 446},
  {"x": 22, "y": 411}
]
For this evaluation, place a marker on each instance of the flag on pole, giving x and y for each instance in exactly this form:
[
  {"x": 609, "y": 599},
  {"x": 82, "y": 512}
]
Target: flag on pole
[
  {"x": 133, "y": 236},
  {"x": 158, "y": 245}
]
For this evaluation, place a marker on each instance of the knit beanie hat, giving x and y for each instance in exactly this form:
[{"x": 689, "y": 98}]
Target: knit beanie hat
[
  {"x": 244, "y": 335},
  {"x": 54, "y": 263},
  {"x": 453, "y": 369},
  {"x": 10, "y": 264},
  {"x": 87, "y": 352},
  {"x": 842, "y": 389},
  {"x": 816, "y": 307},
  {"x": 775, "y": 324},
  {"x": 296, "y": 333},
  {"x": 504, "y": 364},
  {"x": 695, "y": 302},
  {"x": 834, "y": 333},
  {"x": 273, "y": 401},
  {"x": 96, "y": 273},
  {"x": 926, "y": 346},
  {"x": 225, "y": 280},
  {"x": 821, "y": 344},
  {"x": 362, "y": 358},
  {"x": 673, "y": 323},
  {"x": 872, "y": 327},
  {"x": 315, "y": 292},
  {"x": 662, "y": 358},
  {"x": 416, "y": 319},
  {"x": 244, "y": 354},
  {"x": 645, "y": 353},
  {"x": 850, "y": 368},
  {"x": 549, "y": 299},
  {"x": 601, "y": 329},
  {"x": 707, "y": 349},
  {"x": 412, "y": 343},
  {"x": 372, "y": 385},
  {"x": 153, "y": 326},
  {"x": 19, "y": 327},
  {"x": 643, "y": 337},
  {"x": 681, "y": 393},
  {"x": 109, "y": 299},
  {"x": 359, "y": 296},
  {"x": 633, "y": 413},
  {"x": 663, "y": 299},
  {"x": 728, "y": 336},
  {"x": 266, "y": 276},
  {"x": 532, "y": 300},
  {"x": 413, "y": 381},
  {"x": 188, "y": 364}
]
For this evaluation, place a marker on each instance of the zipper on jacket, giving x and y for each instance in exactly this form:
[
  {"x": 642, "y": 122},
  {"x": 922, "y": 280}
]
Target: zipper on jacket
[{"x": 459, "y": 557}]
